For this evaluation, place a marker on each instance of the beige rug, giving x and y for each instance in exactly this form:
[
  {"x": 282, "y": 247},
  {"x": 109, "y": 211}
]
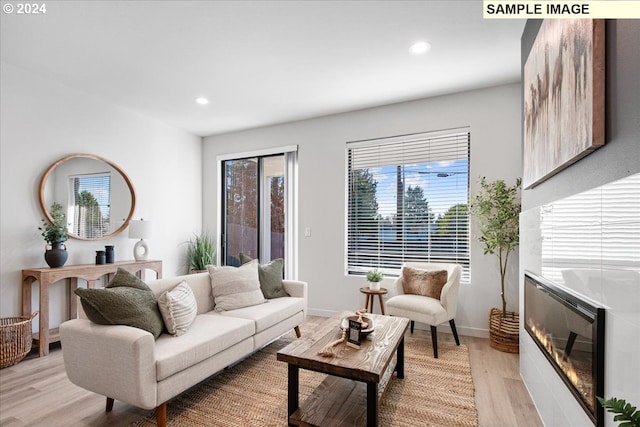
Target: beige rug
[{"x": 434, "y": 392}]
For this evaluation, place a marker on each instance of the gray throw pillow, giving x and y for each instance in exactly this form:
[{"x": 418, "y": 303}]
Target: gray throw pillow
[
  {"x": 270, "y": 276},
  {"x": 126, "y": 300}
]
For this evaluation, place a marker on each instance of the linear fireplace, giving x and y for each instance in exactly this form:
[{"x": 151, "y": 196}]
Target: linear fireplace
[{"x": 570, "y": 333}]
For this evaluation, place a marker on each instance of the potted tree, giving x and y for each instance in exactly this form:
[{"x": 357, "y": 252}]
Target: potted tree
[
  {"x": 496, "y": 207},
  {"x": 55, "y": 233},
  {"x": 374, "y": 277},
  {"x": 201, "y": 252}
]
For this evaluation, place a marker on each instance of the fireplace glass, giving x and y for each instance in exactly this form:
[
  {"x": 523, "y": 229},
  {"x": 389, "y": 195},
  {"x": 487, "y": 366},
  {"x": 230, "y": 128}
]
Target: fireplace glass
[{"x": 569, "y": 331}]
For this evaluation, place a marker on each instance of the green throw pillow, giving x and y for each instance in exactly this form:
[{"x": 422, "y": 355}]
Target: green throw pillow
[
  {"x": 126, "y": 300},
  {"x": 270, "y": 276}
]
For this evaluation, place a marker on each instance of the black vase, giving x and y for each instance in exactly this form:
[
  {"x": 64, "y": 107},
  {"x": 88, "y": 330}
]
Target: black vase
[
  {"x": 57, "y": 255},
  {"x": 110, "y": 254},
  {"x": 101, "y": 257}
]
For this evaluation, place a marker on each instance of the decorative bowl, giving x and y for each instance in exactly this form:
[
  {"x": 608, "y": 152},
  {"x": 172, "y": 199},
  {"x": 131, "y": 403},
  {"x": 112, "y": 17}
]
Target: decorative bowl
[{"x": 364, "y": 332}]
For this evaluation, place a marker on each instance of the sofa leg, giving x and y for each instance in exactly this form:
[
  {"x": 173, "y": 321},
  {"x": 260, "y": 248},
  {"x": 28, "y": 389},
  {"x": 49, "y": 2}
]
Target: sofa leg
[
  {"x": 109, "y": 406},
  {"x": 412, "y": 324},
  {"x": 161, "y": 415},
  {"x": 434, "y": 340},
  {"x": 297, "y": 329}
]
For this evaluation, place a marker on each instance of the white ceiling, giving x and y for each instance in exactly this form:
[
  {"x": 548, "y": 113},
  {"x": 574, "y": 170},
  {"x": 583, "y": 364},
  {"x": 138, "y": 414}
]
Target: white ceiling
[{"x": 262, "y": 62}]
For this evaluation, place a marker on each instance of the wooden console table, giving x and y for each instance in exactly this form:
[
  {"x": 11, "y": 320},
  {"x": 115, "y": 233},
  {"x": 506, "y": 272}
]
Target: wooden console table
[{"x": 89, "y": 272}]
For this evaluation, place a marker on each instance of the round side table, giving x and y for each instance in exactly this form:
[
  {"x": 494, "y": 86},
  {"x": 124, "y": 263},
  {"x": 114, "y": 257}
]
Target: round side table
[{"x": 370, "y": 296}]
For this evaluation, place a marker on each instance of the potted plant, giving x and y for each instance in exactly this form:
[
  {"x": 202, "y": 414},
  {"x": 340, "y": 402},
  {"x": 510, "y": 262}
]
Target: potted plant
[
  {"x": 201, "y": 252},
  {"x": 496, "y": 207},
  {"x": 374, "y": 277},
  {"x": 55, "y": 233}
]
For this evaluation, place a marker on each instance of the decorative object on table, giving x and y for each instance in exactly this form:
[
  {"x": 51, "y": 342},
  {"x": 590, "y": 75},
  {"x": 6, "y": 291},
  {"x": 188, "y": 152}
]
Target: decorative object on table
[
  {"x": 15, "y": 339},
  {"x": 353, "y": 334},
  {"x": 366, "y": 327},
  {"x": 201, "y": 252},
  {"x": 564, "y": 96},
  {"x": 110, "y": 254},
  {"x": 374, "y": 277},
  {"x": 140, "y": 229},
  {"x": 101, "y": 257},
  {"x": 55, "y": 234},
  {"x": 497, "y": 209}
]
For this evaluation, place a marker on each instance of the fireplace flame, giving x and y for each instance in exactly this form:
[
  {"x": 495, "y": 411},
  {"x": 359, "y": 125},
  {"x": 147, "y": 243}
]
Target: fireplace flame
[{"x": 547, "y": 343}]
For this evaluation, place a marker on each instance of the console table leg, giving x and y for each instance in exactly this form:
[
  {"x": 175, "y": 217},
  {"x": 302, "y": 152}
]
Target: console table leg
[
  {"x": 372, "y": 404},
  {"x": 292, "y": 390}
]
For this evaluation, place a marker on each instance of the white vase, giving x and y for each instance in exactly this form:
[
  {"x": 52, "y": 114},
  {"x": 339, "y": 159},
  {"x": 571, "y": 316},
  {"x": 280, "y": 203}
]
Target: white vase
[{"x": 374, "y": 286}]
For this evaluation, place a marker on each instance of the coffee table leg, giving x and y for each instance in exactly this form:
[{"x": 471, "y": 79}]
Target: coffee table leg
[
  {"x": 400, "y": 359},
  {"x": 372, "y": 404},
  {"x": 292, "y": 398}
]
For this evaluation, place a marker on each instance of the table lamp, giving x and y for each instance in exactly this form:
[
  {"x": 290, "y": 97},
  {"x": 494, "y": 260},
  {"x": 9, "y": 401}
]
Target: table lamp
[{"x": 140, "y": 229}]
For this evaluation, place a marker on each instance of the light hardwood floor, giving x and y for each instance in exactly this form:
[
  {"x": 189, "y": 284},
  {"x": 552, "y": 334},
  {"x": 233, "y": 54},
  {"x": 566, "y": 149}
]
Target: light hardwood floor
[{"x": 36, "y": 392}]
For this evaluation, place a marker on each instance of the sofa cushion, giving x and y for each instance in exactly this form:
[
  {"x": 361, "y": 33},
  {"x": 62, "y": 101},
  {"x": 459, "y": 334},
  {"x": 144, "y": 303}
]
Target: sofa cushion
[
  {"x": 423, "y": 282},
  {"x": 266, "y": 315},
  {"x": 126, "y": 300},
  {"x": 178, "y": 308},
  {"x": 208, "y": 335},
  {"x": 235, "y": 287},
  {"x": 270, "y": 276}
]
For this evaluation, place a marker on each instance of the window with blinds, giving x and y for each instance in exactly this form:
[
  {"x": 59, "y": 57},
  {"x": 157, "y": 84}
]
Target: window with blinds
[
  {"x": 407, "y": 201},
  {"x": 91, "y": 204}
]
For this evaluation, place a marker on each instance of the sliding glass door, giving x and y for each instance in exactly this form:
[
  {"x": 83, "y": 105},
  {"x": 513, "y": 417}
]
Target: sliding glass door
[{"x": 253, "y": 220}]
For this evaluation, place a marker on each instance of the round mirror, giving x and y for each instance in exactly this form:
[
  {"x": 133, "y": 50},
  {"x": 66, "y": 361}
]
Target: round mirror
[{"x": 96, "y": 195}]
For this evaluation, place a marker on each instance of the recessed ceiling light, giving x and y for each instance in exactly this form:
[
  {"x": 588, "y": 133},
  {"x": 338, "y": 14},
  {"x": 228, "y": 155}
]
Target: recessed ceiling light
[
  {"x": 418, "y": 48},
  {"x": 201, "y": 100}
]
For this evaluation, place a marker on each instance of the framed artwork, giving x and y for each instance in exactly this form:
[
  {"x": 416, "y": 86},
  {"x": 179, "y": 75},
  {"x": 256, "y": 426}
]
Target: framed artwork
[{"x": 563, "y": 96}]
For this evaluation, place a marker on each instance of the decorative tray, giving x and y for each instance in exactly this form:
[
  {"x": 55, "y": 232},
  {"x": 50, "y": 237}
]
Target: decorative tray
[{"x": 370, "y": 327}]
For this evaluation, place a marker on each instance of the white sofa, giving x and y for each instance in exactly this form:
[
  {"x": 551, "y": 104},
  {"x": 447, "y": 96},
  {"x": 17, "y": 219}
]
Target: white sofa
[{"x": 127, "y": 364}]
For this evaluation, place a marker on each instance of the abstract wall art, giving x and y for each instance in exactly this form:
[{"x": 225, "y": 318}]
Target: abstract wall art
[{"x": 564, "y": 95}]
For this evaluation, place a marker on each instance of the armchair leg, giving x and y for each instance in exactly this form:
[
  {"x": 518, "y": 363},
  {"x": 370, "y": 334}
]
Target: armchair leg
[
  {"x": 412, "y": 324},
  {"x": 434, "y": 340},
  {"x": 161, "y": 415},
  {"x": 455, "y": 331},
  {"x": 109, "y": 406}
]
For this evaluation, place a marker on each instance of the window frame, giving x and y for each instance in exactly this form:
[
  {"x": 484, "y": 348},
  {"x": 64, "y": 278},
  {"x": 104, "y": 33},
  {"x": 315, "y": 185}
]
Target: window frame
[{"x": 350, "y": 269}]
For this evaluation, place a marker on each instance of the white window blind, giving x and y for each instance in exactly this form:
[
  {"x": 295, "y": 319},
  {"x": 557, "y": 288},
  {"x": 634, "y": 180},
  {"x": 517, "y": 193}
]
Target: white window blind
[{"x": 407, "y": 201}]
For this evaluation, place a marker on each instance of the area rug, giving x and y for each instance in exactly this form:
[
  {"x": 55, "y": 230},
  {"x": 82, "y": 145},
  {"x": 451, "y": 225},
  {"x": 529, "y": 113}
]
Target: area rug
[{"x": 253, "y": 393}]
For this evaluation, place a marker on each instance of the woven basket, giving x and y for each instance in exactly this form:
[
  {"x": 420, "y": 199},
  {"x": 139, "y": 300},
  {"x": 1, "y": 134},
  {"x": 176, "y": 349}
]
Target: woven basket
[
  {"x": 504, "y": 331},
  {"x": 15, "y": 339}
]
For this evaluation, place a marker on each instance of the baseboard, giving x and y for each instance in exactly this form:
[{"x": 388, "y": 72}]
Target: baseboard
[{"x": 462, "y": 330}]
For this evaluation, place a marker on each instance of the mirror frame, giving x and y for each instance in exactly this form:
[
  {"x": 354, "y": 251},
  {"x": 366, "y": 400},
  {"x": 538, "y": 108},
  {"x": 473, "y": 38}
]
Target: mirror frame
[{"x": 45, "y": 209}]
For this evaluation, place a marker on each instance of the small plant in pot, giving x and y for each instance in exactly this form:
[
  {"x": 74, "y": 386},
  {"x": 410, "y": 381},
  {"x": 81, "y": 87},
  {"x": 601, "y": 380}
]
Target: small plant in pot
[
  {"x": 374, "y": 277},
  {"x": 496, "y": 207},
  {"x": 55, "y": 233},
  {"x": 201, "y": 252}
]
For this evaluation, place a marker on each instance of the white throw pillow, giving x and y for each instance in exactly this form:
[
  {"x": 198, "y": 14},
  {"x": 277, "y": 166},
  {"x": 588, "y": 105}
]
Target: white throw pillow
[
  {"x": 178, "y": 308},
  {"x": 235, "y": 287}
]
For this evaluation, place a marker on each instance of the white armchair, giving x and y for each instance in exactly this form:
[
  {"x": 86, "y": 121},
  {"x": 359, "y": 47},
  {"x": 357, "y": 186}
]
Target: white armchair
[{"x": 419, "y": 308}]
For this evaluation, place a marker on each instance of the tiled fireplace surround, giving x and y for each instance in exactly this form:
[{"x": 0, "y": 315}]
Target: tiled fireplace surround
[{"x": 588, "y": 243}]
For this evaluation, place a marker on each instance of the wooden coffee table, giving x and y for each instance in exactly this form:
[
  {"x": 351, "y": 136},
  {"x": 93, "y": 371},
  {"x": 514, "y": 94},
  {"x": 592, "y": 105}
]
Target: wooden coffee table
[{"x": 355, "y": 376}]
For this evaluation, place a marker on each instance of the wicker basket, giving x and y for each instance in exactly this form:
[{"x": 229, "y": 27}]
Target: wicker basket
[
  {"x": 15, "y": 339},
  {"x": 504, "y": 331}
]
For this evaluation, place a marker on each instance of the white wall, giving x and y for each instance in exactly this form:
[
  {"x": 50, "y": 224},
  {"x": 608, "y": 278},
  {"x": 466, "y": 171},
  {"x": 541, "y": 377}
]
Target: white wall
[
  {"x": 494, "y": 118},
  {"x": 43, "y": 121},
  {"x": 619, "y": 158}
]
